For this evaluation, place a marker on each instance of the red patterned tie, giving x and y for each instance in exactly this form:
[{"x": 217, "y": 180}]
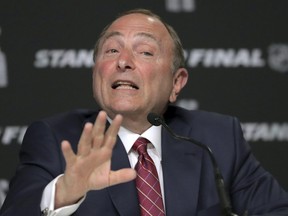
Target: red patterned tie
[{"x": 147, "y": 181}]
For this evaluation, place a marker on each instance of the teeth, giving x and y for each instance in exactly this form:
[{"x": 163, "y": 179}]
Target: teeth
[{"x": 124, "y": 85}]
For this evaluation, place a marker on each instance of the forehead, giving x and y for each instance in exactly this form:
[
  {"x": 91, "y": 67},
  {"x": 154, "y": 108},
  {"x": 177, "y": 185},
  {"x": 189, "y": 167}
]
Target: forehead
[{"x": 139, "y": 23}]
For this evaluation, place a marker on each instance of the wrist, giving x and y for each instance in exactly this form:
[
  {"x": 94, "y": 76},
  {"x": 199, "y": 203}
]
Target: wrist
[{"x": 64, "y": 195}]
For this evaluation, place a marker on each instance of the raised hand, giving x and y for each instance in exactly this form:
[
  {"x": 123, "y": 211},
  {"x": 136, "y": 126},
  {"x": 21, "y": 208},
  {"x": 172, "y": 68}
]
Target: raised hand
[{"x": 90, "y": 168}]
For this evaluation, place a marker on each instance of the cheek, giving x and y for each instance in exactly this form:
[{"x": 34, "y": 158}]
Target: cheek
[
  {"x": 101, "y": 73},
  {"x": 102, "y": 68},
  {"x": 160, "y": 86},
  {"x": 98, "y": 81},
  {"x": 96, "y": 85}
]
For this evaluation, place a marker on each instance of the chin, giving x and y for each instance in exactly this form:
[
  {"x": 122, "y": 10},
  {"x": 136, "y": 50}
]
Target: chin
[{"x": 123, "y": 109}]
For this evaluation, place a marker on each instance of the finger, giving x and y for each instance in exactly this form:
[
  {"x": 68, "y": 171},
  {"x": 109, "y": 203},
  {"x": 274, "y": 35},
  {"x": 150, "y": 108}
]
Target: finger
[
  {"x": 84, "y": 145},
  {"x": 121, "y": 176},
  {"x": 112, "y": 132},
  {"x": 67, "y": 152},
  {"x": 99, "y": 129}
]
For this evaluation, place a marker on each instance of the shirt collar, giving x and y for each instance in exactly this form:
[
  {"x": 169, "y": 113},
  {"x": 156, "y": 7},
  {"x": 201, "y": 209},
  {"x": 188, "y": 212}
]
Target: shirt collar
[{"x": 153, "y": 134}]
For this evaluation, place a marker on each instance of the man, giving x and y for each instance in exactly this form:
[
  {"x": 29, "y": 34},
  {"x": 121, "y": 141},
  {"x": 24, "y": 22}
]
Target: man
[{"x": 139, "y": 68}]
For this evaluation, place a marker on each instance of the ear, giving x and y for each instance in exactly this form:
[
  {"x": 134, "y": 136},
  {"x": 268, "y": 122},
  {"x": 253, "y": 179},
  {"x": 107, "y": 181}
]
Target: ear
[{"x": 180, "y": 79}]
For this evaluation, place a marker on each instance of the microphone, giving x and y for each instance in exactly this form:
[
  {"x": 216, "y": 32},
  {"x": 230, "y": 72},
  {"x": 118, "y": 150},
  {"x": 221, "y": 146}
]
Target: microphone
[{"x": 157, "y": 120}]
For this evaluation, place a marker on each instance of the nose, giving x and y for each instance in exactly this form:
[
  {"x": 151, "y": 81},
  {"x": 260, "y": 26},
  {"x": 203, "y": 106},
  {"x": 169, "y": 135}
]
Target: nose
[{"x": 125, "y": 61}]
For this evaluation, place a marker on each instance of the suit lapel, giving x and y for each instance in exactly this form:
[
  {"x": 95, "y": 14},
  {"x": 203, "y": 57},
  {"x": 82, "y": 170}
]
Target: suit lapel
[
  {"x": 181, "y": 163},
  {"x": 124, "y": 196}
]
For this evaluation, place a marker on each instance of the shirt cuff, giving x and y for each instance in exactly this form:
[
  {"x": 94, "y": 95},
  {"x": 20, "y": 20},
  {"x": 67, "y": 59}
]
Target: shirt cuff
[{"x": 48, "y": 198}]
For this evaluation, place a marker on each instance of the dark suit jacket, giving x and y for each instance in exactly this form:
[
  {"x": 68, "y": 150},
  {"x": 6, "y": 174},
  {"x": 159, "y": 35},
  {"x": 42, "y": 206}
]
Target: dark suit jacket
[{"x": 188, "y": 175}]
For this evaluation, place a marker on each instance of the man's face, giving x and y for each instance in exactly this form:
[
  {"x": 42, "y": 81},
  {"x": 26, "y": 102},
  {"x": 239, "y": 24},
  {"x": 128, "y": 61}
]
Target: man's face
[{"x": 133, "y": 68}]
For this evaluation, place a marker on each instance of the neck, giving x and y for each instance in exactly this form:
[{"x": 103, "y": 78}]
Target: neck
[{"x": 134, "y": 124}]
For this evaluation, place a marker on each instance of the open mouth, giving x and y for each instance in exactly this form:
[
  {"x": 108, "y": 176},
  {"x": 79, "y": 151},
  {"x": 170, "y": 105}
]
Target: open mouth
[{"x": 124, "y": 85}]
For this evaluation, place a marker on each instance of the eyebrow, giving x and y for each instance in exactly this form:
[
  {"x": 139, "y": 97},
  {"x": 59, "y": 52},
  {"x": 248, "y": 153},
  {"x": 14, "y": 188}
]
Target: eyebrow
[{"x": 111, "y": 34}]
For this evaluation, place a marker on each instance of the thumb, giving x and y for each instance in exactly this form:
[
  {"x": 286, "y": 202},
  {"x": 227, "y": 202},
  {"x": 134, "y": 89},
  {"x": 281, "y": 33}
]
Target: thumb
[{"x": 121, "y": 176}]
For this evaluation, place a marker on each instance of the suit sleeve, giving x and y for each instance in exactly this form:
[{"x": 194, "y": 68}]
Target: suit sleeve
[
  {"x": 253, "y": 188},
  {"x": 41, "y": 161}
]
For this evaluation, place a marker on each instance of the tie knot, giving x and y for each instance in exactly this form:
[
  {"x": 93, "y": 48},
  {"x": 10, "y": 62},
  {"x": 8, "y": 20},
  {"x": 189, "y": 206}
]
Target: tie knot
[{"x": 140, "y": 145}]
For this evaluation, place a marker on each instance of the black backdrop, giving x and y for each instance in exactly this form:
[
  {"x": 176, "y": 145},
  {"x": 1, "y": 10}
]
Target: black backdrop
[{"x": 237, "y": 56}]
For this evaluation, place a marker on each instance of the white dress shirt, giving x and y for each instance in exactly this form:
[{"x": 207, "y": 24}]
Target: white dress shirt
[{"x": 153, "y": 134}]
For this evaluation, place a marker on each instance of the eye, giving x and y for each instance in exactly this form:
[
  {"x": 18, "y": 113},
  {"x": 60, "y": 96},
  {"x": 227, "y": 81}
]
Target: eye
[
  {"x": 112, "y": 51},
  {"x": 147, "y": 53},
  {"x": 146, "y": 50}
]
